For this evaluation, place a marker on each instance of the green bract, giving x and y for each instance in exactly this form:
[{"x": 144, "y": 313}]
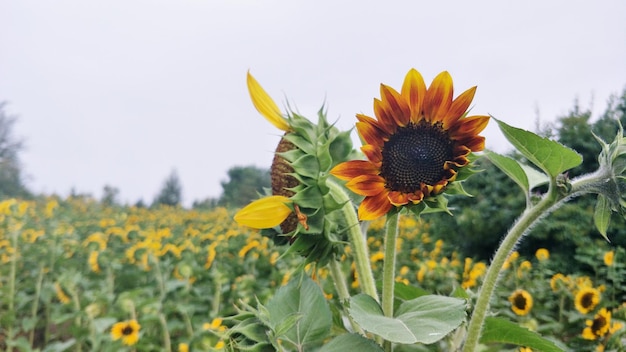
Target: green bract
[{"x": 318, "y": 148}]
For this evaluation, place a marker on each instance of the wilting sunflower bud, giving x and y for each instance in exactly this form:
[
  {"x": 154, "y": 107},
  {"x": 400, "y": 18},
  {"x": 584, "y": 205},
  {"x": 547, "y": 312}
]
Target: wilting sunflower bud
[{"x": 301, "y": 202}]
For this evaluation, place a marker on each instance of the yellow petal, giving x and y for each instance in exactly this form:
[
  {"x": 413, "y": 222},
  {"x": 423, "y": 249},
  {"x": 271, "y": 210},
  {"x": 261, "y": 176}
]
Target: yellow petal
[
  {"x": 265, "y": 105},
  {"x": 264, "y": 213}
]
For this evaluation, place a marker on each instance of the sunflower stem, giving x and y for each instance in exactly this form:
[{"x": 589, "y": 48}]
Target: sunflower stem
[
  {"x": 357, "y": 241},
  {"x": 521, "y": 226},
  {"x": 389, "y": 268},
  {"x": 342, "y": 291}
]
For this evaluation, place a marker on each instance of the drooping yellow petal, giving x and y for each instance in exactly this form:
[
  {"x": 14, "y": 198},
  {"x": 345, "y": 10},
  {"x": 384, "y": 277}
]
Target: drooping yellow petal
[
  {"x": 265, "y": 105},
  {"x": 264, "y": 213}
]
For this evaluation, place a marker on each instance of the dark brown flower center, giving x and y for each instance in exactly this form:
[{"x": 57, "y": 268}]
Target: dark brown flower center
[
  {"x": 519, "y": 301},
  {"x": 127, "y": 330},
  {"x": 598, "y": 324},
  {"x": 414, "y": 154},
  {"x": 282, "y": 181},
  {"x": 587, "y": 300}
]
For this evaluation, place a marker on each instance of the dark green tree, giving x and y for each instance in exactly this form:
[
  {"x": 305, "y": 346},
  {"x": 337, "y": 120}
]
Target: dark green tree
[
  {"x": 244, "y": 184},
  {"x": 11, "y": 179},
  {"x": 110, "y": 195},
  {"x": 171, "y": 192}
]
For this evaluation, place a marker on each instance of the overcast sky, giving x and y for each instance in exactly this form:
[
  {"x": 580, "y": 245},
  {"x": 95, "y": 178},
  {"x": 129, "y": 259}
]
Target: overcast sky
[{"x": 121, "y": 93}]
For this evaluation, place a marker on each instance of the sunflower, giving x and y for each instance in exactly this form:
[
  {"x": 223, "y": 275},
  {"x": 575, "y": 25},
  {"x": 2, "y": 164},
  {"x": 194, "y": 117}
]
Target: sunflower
[
  {"x": 415, "y": 147},
  {"x": 128, "y": 331},
  {"x": 542, "y": 254},
  {"x": 521, "y": 302},
  {"x": 301, "y": 209},
  {"x": 587, "y": 298},
  {"x": 609, "y": 258},
  {"x": 599, "y": 326}
]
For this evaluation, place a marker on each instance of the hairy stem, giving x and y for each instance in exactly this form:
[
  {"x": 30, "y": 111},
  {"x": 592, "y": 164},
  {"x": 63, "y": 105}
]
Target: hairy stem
[
  {"x": 342, "y": 291},
  {"x": 523, "y": 223},
  {"x": 357, "y": 241},
  {"x": 389, "y": 268}
]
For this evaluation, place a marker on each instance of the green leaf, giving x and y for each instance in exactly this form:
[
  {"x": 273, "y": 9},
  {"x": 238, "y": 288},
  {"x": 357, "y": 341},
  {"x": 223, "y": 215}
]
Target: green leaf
[
  {"x": 511, "y": 168},
  {"x": 426, "y": 319},
  {"x": 102, "y": 324},
  {"x": 550, "y": 156},
  {"x": 602, "y": 215},
  {"x": 300, "y": 298},
  {"x": 499, "y": 330},
  {"x": 351, "y": 342},
  {"x": 60, "y": 346}
]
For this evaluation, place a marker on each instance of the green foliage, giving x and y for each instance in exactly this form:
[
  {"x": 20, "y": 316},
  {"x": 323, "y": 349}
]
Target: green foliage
[
  {"x": 11, "y": 179},
  {"x": 426, "y": 319},
  {"x": 244, "y": 185},
  {"x": 171, "y": 192}
]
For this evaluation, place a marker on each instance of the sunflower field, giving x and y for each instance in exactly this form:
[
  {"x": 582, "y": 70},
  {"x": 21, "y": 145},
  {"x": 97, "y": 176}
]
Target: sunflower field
[{"x": 80, "y": 276}]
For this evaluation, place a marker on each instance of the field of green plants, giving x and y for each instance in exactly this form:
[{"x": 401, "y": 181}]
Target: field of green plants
[{"x": 79, "y": 276}]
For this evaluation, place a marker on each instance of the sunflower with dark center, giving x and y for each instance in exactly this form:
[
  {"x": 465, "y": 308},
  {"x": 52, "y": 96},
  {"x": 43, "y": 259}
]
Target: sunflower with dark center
[
  {"x": 128, "y": 331},
  {"x": 521, "y": 302},
  {"x": 586, "y": 299},
  {"x": 415, "y": 147},
  {"x": 599, "y": 326}
]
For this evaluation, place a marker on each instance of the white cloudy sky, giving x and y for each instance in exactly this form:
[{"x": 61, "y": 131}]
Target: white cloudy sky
[{"x": 122, "y": 92}]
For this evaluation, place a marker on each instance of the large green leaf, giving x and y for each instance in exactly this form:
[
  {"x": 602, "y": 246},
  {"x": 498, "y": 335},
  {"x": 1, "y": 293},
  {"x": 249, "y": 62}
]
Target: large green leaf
[
  {"x": 425, "y": 319},
  {"x": 602, "y": 215},
  {"x": 298, "y": 312},
  {"x": 550, "y": 156},
  {"x": 511, "y": 168},
  {"x": 350, "y": 342},
  {"x": 499, "y": 330}
]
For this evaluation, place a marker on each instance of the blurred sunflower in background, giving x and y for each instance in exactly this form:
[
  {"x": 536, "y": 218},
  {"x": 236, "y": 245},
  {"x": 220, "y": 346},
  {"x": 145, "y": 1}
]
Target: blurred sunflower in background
[
  {"x": 415, "y": 148},
  {"x": 586, "y": 299},
  {"x": 128, "y": 331},
  {"x": 521, "y": 302}
]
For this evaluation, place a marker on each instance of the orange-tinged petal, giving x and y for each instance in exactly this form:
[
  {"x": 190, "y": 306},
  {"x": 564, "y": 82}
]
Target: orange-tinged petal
[
  {"x": 265, "y": 105},
  {"x": 373, "y": 154},
  {"x": 385, "y": 119},
  {"x": 395, "y": 105},
  {"x": 370, "y": 130},
  {"x": 398, "y": 198},
  {"x": 416, "y": 197},
  {"x": 414, "y": 91},
  {"x": 264, "y": 213},
  {"x": 459, "y": 107},
  {"x": 469, "y": 126},
  {"x": 367, "y": 185},
  {"x": 475, "y": 144},
  {"x": 354, "y": 168},
  {"x": 438, "y": 97},
  {"x": 372, "y": 208}
]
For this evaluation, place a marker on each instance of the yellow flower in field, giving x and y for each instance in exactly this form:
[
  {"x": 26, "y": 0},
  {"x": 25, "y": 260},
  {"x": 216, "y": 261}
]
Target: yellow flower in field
[
  {"x": 587, "y": 298},
  {"x": 252, "y": 244},
  {"x": 523, "y": 268},
  {"x": 50, "y": 208},
  {"x": 557, "y": 281},
  {"x": 404, "y": 270},
  {"x": 183, "y": 347},
  {"x": 212, "y": 253},
  {"x": 421, "y": 274},
  {"x": 542, "y": 254},
  {"x": 128, "y": 331},
  {"x": 510, "y": 259},
  {"x": 376, "y": 257},
  {"x": 609, "y": 258},
  {"x": 525, "y": 349},
  {"x": 599, "y": 326},
  {"x": 521, "y": 302},
  {"x": 61, "y": 295},
  {"x": 215, "y": 325},
  {"x": 93, "y": 261},
  {"x": 415, "y": 148},
  {"x": 220, "y": 345}
]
